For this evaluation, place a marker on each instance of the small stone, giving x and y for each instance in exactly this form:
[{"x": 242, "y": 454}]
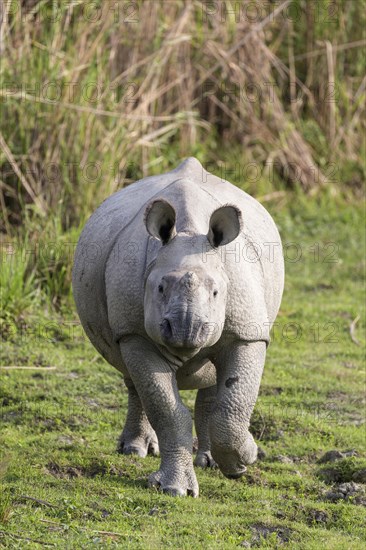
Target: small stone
[
  {"x": 284, "y": 459},
  {"x": 348, "y": 488},
  {"x": 350, "y": 452},
  {"x": 245, "y": 544},
  {"x": 351, "y": 491},
  {"x": 66, "y": 441}
]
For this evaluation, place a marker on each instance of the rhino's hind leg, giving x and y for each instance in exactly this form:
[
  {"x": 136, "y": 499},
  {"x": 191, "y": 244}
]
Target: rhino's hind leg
[
  {"x": 202, "y": 410},
  {"x": 137, "y": 436}
]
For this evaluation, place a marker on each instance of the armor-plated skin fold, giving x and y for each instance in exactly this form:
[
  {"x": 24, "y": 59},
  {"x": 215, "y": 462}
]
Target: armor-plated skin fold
[{"x": 177, "y": 280}]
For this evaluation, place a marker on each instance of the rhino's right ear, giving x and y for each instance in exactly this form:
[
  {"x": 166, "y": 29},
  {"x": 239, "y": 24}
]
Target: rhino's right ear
[{"x": 160, "y": 220}]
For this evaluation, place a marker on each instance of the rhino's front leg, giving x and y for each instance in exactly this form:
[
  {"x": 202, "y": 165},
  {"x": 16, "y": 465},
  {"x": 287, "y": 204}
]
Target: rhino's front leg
[
  {"x": 155, "y": 382},
  {"x": 137, "y": 437},
  {"x": 239, "y": 371}
]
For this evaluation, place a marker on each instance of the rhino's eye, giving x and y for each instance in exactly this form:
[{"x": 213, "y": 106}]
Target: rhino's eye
[
  {"x": 160, "y": 289},
  {"x": 215, "y": 292}
]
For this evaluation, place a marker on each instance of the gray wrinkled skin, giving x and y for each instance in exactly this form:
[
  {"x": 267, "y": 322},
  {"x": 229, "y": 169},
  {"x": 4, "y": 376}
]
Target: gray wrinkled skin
[{"x": 177, "y": 280}]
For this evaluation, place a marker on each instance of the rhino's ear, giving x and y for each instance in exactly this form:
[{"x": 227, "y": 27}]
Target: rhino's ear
[
  {"x": 160, "y": 220},
  {"x": 225, "y": 225}
]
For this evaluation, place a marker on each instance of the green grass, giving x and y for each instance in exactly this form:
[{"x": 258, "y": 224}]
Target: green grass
[
  {"x": 59, "y": 427},
  {"x": 17, "y": 289}
]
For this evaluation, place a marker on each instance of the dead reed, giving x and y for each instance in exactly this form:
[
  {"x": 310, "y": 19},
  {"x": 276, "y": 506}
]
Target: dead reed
[{"x": 94, "y": 96}]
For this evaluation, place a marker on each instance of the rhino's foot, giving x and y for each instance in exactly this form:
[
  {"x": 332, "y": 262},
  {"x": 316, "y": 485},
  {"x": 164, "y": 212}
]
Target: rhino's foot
[
  {"x": 176, "y": 482},
  {"x": 140, "y": 445},
  {"x": 204, "y": 460},
  {"x": 232, "y": 461}
]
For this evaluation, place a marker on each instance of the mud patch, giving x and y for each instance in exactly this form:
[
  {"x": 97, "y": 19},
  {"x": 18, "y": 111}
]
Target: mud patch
[
  {"x": 7, "y": 399},
  {"x": 360, "y": 476},
  {"x": 270, "y": 533},
  {"x": 58, "y": 423},
  {"x": 92, "y": 470},
  {"x": 334, "y": 455},
  {"x": 343, "y": 470},
  {"x": 317, "y": 517}
]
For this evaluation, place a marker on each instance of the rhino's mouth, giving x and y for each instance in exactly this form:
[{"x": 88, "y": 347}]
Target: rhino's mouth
[
  {"x": 188, "y": 338},
  {"x": 179, "y": 356}
]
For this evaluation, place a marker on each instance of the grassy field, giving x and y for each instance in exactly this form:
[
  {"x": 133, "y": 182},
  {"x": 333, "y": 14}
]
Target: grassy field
[
  {"x": 267, "y": 94},
  {"x": 63, "y": 484}
]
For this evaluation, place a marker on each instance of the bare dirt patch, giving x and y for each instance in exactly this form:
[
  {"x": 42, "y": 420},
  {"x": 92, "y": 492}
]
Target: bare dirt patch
[{"x": 91, "y": 470}]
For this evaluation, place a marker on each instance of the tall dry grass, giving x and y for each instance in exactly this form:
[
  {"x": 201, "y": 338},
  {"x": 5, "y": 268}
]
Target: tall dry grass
[{"x": 95, "y": 95}]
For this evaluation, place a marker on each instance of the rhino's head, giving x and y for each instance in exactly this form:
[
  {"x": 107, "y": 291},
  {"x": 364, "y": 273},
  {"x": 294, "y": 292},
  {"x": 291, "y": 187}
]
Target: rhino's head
[{"x": 186, "y": 288}]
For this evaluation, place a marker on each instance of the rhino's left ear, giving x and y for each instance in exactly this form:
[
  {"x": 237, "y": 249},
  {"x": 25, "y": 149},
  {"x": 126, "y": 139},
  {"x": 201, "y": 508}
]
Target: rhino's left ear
[
  {"x": 225, "y": 225},
  {"x": 160, "y": 220}
]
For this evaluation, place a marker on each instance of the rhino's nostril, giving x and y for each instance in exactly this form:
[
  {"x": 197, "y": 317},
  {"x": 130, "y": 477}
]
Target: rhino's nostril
[
  {"x": 203, "y": 331},
  {"x": 167, "y": 328}
]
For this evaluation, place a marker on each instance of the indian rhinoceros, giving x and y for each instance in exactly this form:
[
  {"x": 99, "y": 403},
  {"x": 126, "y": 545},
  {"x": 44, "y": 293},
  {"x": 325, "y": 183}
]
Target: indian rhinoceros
[{"x": 177, "y": 280}]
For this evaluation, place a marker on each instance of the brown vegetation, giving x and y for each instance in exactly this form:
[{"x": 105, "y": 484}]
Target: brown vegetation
[{"x": 94, "y": 98}]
